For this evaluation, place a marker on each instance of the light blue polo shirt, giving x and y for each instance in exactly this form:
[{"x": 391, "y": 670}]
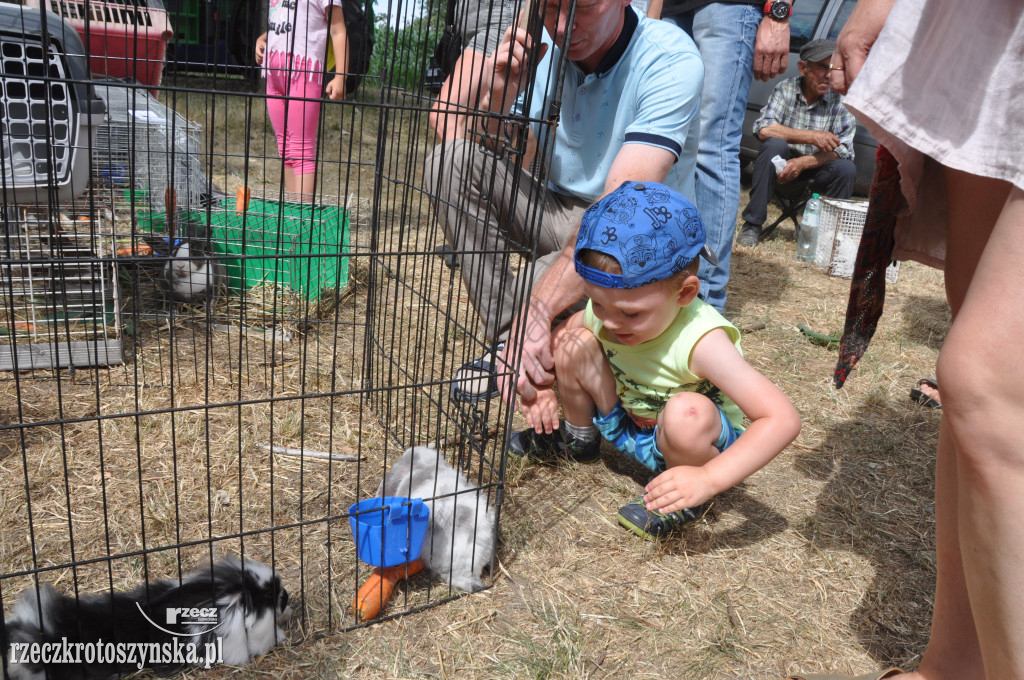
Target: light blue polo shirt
[{"x": 645, "y": 91}]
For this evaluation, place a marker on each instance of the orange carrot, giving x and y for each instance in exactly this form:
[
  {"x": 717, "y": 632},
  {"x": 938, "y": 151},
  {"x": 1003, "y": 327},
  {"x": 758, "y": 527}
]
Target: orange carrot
[
  {"x": 137, "y": 249},
  {"x": 242, "y": 200},
  {"x": 376, "y": 591}
]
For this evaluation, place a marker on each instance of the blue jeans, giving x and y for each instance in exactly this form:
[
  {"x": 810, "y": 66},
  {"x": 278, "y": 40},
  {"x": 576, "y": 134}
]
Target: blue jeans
[{"x": 724, "y": 34}]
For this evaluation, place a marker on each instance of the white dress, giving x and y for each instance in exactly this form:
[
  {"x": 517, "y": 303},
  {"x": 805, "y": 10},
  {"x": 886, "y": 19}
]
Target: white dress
[{"x": 944, "y": 84}]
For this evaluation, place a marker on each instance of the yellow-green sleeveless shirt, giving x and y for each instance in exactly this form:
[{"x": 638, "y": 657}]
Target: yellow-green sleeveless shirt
[{"x": 649, "y": 373}]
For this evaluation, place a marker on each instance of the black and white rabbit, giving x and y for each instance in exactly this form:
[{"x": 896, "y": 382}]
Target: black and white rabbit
[
  {"x": 227, "y": 610},
  {"x": 193, "y": 273},
  {"x": 460, "y": 535}
]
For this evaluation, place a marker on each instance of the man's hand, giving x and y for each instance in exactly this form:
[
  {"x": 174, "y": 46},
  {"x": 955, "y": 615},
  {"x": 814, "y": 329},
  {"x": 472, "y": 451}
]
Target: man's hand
[
  {"x": 794, "y": 166},
  {"x": 541, "y": 413},
  {"x": 823, "y": 139},
  {"x": 771, "y": 48},
  {"x": 682, "y": 486},
  {"x": 510, "y": 68},
  {"x": 537, "y": 363}
]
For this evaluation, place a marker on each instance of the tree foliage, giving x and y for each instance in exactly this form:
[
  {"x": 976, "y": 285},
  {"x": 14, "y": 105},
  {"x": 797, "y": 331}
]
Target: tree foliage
[{"x": 401, "y": 53}]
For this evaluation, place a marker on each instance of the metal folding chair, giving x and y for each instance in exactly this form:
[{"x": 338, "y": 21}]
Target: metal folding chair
[{"x": 791, "y": 197}]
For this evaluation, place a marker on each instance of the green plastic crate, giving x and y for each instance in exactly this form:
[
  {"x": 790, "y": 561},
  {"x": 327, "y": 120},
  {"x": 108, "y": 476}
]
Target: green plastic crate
[{"x": 301, "y": 246}]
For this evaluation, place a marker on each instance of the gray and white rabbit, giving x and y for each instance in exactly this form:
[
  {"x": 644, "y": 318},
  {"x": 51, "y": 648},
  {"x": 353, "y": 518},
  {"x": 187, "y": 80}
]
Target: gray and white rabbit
[
  {"x": 193, "y": 273},
  {"x": 460, "y": 536}
]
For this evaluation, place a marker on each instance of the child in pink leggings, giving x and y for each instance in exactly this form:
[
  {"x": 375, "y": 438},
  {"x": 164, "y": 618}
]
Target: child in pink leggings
[{"x": 295, "y": 50}]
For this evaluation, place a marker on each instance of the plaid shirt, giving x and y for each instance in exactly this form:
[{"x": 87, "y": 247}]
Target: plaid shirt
[{"x": 788, "y": 107}]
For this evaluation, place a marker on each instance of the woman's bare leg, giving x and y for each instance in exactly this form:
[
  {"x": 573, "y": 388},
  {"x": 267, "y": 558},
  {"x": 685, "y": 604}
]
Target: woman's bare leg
[
  {"x": 983, "y": 410},
  {"x": 979, "y": 537}
]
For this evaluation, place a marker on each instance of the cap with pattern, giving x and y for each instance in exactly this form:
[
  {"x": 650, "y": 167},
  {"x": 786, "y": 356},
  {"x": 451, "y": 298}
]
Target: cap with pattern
[{"x": 651, "y": 230}]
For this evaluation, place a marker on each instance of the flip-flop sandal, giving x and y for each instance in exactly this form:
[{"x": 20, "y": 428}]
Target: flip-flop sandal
[
  {"x": 477, "y": 380},
  {"x": 880, "y": 675},
  {"x": 920, "y": 397}
]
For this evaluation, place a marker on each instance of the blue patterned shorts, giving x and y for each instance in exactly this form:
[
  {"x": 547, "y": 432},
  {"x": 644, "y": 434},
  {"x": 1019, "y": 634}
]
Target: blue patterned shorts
[{"x": 640, "y": 443}]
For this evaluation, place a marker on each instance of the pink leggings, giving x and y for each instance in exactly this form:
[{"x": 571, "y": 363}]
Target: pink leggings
[{"x": 294, "y": 119}]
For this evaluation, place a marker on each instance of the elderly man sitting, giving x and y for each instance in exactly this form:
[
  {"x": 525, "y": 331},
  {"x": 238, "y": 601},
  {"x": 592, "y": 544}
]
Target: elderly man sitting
[{"x": 806, "y": 124}]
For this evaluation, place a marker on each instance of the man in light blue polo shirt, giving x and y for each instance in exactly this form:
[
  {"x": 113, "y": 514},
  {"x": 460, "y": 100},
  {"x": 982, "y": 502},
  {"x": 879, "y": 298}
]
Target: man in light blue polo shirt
[{"x": 629, "y": 111}]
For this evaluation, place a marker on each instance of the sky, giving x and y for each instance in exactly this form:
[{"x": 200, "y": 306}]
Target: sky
[{"x": 403, "y": 9}]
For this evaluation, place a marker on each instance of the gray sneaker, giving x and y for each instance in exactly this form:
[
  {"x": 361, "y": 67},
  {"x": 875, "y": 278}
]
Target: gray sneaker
[
  {"x": 553, "y": 448},
  {"x": 750, "y": 235},
  {"x": 652, "y": 524}
]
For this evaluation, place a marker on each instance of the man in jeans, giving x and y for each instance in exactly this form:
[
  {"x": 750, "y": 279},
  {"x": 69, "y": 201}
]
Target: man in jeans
[
  {"x": 736, "y": 40},
  {"x": 806, "y": 124},
  {"x": 629, "y": 109}
]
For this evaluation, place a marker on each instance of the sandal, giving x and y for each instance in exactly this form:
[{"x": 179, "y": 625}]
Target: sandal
[
  {"x": 477, "y": 380},
  {"x": 918, "y": 396},
  {"x": 880, "y": 675},
  {"x": 451, "y": 260}
]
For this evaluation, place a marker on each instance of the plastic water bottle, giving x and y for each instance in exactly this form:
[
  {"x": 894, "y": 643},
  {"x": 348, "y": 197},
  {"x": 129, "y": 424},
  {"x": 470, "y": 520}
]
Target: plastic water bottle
[{"x": 808, "y": 238}]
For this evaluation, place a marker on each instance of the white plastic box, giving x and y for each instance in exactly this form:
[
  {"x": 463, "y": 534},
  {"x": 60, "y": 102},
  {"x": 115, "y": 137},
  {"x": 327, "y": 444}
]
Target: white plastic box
[
  {"x": 839, "y": 230},
  {"x": 50, "y": 110}
]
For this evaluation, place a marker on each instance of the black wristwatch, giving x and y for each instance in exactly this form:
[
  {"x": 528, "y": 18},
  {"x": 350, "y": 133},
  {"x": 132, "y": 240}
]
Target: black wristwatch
[{"x": 778, "y": 9}]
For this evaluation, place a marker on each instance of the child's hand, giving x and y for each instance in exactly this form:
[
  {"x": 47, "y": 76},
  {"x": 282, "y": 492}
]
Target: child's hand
[
  {"x": 679, "y": 487},
  {"x": 542, "y": 411},
  {"x": 261, "y": 48},
  {"x": 336, "y": 88}
]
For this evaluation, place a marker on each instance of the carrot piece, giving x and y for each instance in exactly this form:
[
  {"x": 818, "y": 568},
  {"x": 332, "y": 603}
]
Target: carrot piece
[
  {"x": 137, "y": 249},
  {"x": 242, "y": 200},
  {"x": 376, "y": 591}
]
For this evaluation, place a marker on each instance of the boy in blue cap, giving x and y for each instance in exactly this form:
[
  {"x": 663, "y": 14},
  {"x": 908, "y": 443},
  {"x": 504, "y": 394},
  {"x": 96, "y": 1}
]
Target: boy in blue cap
[{"x": 654, "y": 369}]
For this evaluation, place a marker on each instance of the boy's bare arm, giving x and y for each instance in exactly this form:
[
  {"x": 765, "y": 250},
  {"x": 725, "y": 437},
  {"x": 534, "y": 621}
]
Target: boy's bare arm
[{"x": 774, "y": 424}]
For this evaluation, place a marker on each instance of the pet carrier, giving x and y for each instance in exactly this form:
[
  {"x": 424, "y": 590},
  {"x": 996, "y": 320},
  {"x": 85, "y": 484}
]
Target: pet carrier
[
  {"x": 50, "y": 109},
  {"x": 126, "y": 40}
]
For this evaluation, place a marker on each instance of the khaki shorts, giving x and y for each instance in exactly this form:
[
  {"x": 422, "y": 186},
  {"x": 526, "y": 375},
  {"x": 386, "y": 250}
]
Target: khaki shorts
[{"x": 484, "y": 22}]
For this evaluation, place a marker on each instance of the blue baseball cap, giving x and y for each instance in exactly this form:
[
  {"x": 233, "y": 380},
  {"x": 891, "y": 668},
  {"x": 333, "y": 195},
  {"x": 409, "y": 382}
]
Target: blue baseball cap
[{"x": 651, "y": 230}]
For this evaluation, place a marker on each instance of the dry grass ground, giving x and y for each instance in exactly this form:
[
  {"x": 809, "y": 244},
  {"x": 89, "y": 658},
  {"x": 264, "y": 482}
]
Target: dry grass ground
[{"x": 823, "y": 560}]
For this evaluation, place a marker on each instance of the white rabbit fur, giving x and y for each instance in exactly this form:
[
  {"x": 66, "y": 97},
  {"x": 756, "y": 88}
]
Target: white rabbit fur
[
  {"x": 459, "y": 515},
  {"x": 192, "y": 274}
]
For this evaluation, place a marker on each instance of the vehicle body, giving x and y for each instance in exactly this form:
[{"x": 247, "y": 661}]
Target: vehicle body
[{"x": 811, "y": 19}]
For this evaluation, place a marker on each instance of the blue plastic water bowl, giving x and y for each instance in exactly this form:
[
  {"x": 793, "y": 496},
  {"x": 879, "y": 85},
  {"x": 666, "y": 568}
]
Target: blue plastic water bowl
[{"x": 388, "y": 531}]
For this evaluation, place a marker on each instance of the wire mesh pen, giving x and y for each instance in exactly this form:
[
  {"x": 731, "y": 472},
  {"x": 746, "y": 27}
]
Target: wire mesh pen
[{"x": 145, "y": 443}]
